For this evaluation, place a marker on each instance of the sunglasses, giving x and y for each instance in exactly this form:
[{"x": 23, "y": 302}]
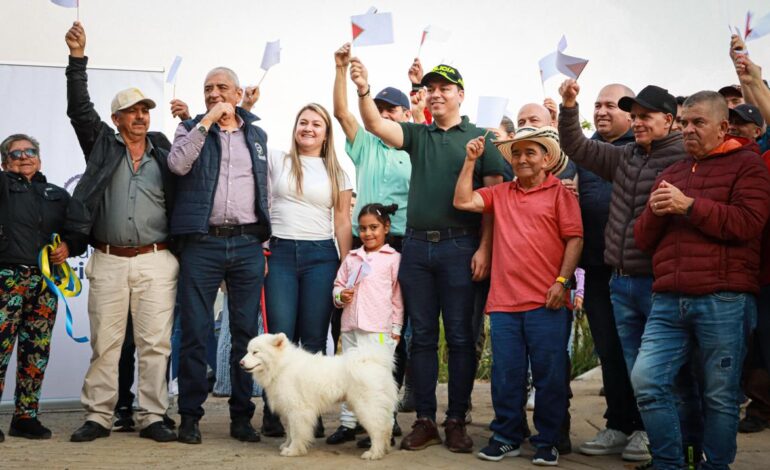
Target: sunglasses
[{"x": 17, "y": 154}]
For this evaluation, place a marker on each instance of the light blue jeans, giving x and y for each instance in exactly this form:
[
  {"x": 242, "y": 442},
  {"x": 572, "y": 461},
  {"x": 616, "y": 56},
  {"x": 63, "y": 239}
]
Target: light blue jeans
[{"x": 719, "y": 324}]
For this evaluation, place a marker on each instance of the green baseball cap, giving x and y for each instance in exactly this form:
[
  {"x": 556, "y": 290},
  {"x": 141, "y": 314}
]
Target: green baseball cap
[{"x": 444, "y": 72}]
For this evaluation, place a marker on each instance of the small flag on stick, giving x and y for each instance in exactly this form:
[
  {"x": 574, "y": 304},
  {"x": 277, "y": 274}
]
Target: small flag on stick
[
  {"x": 271, "y": 56},
  {"x": 757, "y": 30},
  {"x": 372, "y": 29},
  {"x": 491, "y": 111},
  {"x": 434, "y": 33}
]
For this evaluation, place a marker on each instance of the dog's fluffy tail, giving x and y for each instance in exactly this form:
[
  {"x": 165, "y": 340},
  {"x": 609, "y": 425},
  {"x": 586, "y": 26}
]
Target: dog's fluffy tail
[{"x": 373, "y": 364}]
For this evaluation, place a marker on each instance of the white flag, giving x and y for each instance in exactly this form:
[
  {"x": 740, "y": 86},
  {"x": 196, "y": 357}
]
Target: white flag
[
  {"x": 66, "y": 3},
  {"x": 491, "y": 110},
  {"x": 372, "y": 30},
  {"x": 172, "y": 71},
  {"x": 272, "y": 55},
  {"x": 434, "y": 33},
  {"x": 548, "y": 63}
]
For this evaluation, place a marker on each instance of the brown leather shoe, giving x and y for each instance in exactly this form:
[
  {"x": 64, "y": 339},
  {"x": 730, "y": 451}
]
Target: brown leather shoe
[
  {"x": 424, "y": 434},
  {"x": 457, "y": 439}
]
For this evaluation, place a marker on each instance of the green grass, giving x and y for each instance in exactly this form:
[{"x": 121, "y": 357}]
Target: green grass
[{"x": 583, "y": 356}]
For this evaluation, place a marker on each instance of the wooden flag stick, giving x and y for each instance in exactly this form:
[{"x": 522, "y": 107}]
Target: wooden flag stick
[{"x": 263, "y": 77}]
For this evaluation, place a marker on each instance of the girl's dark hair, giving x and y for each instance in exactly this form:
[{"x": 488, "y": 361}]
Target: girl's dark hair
[{"x": 380, "y": 211}]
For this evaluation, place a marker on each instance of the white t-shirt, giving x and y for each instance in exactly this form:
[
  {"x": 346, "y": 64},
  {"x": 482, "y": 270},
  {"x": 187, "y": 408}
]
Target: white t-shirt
[{"x": 306, "y": 216}]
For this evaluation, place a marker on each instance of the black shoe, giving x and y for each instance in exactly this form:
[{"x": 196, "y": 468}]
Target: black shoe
[
  {"x": 318, "y": 430},
  {"x": 396, "y": 429},
  {"x": 342, "y": 434},
  {"x": 29, "y": 428},
  {"x": 158, "y": 432},
  {"x": 2, "y": 436},
  {"x": 359, "y": 429},
  {"x": 124, "y": 421},
  {"x": 189, "y": 432},
  {"x": 271, "y": 425},
  {"x": 366, "y": 442},
  {"x": 243, "y": 431},
  {"x": 89, "y": 431},
  {"x": 169, "y": 422},
  {"x": 751, "y": 424}
]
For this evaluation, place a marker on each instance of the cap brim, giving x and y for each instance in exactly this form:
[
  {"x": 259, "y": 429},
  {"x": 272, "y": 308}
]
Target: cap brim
[
  {"x": 150, "y": 104},
  {"x": 552, "y": 147},
  {"x": 435, "y": 76},
  {"x": 627, "y": 102}
]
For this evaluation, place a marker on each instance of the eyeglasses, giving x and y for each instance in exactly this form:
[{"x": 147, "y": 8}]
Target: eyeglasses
[{"x": 17, "y": 154}]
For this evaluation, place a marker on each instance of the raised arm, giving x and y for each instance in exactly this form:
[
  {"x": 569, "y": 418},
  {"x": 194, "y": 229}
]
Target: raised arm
[
  {"x": 754, "y": 89},
  {"x": 341, "y": 110},
  {"x": 84, "y": 118},
  {"x": 601, "y": 158},
  {"x": 390, "y": 132},
  {"x": 466, "y": 199}
]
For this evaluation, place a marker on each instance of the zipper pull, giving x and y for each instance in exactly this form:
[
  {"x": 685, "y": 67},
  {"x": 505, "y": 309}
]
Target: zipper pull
[{"x": 694, "y": 166}]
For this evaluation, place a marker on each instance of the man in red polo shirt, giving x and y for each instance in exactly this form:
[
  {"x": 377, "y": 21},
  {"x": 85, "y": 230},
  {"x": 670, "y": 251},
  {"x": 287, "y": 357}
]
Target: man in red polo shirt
[{"x": 537, "y": 241}]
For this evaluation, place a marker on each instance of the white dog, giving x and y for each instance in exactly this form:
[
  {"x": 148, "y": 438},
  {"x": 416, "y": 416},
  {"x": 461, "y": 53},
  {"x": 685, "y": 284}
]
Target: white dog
[{"x": 302, "y": 386}]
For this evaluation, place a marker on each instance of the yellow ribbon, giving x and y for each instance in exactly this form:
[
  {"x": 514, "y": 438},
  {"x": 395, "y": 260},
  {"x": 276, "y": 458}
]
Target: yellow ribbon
[{"x": 61, "y": 279}]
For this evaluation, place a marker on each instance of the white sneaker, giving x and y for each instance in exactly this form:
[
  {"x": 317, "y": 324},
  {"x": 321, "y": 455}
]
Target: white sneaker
[
  {"x": 637, "y": 449},
  {"x": 607, "y": 441},
  {"x": 531, "y": 400}
]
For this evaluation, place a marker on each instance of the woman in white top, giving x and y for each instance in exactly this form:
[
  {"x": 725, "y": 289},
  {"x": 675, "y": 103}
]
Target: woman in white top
[{"x": 310, "y": 208}]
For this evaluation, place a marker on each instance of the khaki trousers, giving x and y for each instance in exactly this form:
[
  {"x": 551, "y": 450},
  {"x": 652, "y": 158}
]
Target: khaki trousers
[{"x": 145, "y": 285}]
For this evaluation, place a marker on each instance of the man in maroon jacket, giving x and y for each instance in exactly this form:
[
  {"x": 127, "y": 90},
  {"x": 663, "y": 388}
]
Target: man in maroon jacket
[{"x": 703, "y": 224}]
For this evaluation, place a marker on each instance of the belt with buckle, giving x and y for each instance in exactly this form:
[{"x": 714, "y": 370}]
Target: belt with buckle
[
  {"x": 129, "y": 251},
  {"x": 435, "y": 236},
  {"x": 235, "y": 230}
]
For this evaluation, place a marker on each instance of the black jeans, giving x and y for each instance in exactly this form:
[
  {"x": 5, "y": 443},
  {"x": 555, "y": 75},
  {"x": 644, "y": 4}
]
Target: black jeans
[{"x": 622, "y": 413}]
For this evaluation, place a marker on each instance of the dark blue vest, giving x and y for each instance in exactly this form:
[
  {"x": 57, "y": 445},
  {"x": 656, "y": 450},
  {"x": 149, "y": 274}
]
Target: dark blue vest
[{"x": 195, "y": 190}]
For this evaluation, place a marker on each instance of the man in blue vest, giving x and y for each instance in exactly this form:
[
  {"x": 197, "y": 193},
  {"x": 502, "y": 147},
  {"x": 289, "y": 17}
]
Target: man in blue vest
[{"x": 221, "y": 217}]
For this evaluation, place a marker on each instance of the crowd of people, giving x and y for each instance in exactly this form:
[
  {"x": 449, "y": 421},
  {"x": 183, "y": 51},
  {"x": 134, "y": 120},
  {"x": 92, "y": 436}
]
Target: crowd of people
[{"x": 661, "y": 215}]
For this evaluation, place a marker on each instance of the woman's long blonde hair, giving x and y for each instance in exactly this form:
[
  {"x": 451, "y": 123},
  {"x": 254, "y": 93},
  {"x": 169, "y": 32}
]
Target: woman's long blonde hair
[{"x": 333, "y": 168}]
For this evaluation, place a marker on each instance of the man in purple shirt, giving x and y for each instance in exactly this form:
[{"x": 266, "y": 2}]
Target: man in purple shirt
[{"x": 221, "y": 217}]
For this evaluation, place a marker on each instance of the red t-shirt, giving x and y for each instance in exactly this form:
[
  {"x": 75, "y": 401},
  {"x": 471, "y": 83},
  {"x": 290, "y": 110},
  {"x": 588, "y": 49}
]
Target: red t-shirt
[{"x": 531, "y": 228}]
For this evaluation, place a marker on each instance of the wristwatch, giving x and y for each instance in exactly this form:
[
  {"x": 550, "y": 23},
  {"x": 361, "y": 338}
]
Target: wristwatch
[
  {"x": 567, "y": 283},
  {"x": 202, "y": 129}
]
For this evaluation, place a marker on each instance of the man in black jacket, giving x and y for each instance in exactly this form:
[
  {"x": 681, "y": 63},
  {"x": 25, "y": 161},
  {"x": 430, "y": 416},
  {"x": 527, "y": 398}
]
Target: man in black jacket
[
  {"x": 612, "y": 125},
  {"x": 122, "y": 203},
  {"x": 31, "y": 210}
]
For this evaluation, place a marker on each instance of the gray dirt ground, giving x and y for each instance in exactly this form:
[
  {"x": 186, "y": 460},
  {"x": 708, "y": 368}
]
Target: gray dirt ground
[{"x": 219, "y": 451}]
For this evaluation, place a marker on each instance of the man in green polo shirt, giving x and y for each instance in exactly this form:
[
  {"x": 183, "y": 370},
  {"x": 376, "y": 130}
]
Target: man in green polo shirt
[{"x": 444, "y": 250}]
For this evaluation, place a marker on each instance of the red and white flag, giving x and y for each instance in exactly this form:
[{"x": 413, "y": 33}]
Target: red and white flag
[
  {"x": 758, "y": 29},
  {"x": 372, "y": 29},
  {"x": 434, "y": 33}
]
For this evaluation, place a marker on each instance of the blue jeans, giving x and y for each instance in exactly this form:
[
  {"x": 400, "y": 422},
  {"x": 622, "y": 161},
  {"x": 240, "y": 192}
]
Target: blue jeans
[
  {"x": 298, "y": 290},
  {"x": 631, "y": 298},
  {"x": 436, "y": 279},
  {"x": 719, "y": 324},
  {"x": 206, "y": 261},
  {"x": 538, "y": 337}
]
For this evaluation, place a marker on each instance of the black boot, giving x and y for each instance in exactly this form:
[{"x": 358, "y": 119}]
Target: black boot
[
  {"x": 406, "y": 404},
  {"x": 271, "y": 424},
  {"x": 189, "y": 432}
]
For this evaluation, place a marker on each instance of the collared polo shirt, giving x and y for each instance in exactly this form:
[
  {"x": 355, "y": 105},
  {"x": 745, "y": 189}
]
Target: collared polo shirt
[
  {"x": 437, "y": 157},
  {"x": 528, "y": 242},
  {"x": 133, "y": 208},
  {"x": 382, "y": 176}
]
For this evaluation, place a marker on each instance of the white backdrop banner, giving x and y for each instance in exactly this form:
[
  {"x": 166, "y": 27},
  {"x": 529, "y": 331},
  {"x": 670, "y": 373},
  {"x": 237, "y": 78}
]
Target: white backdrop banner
[{"x": 35, "y": 103}]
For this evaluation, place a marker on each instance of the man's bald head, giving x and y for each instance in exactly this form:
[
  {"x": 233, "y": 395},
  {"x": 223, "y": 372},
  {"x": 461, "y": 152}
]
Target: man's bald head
[
  {"x": 610, "y": 121},
  {"x": 533, "y": 115}
]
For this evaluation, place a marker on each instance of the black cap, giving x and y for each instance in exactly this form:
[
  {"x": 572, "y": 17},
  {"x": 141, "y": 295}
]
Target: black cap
[
  {"x": 651, "y": 97},
  {"x": 393, "y": 96},
  {"x": 731, "y": 90},
  {"x": 444, "y": 72},
  {"x": 747, "y": 113}
]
